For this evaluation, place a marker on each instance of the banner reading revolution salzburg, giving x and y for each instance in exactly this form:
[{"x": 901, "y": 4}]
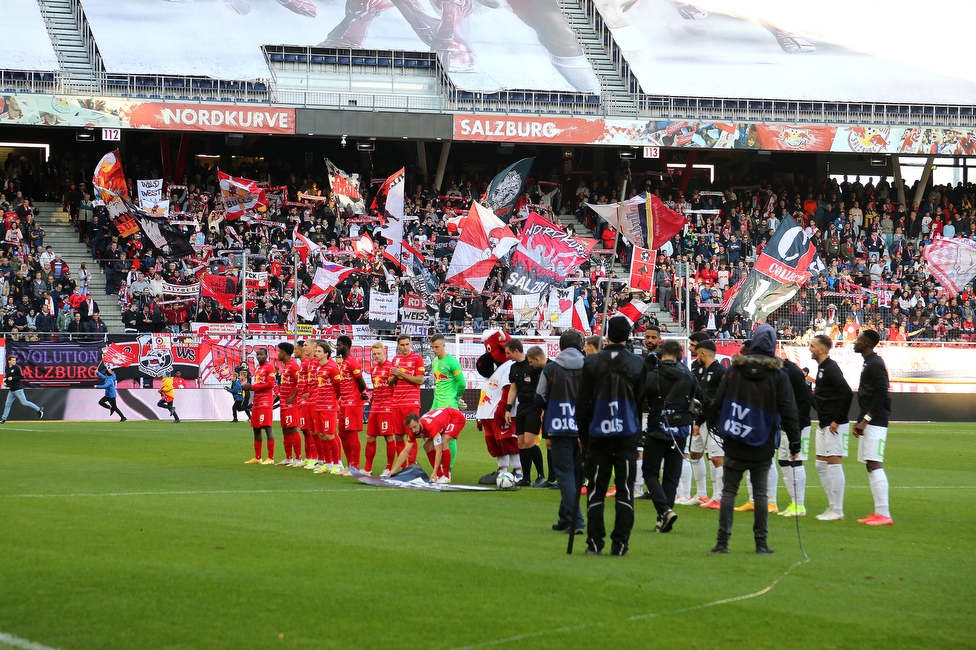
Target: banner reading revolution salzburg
[{"x": 546, "y": 255}]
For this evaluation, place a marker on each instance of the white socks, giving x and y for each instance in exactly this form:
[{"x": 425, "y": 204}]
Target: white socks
[
  {"x": 800, "y": 476},
  {"x": 878, "y": 481},
  {"x": 772, "y": 483},
  {"x": 788, "y": 481},
  {"x": 698, "y": 472},
  {"x": 684, "y": 485},
  {"x": 837, "y": 483},
  {"x": 718, "y": 482},
  {"x": 825, "y": 482},
  {"x": 502, "y": 463}
]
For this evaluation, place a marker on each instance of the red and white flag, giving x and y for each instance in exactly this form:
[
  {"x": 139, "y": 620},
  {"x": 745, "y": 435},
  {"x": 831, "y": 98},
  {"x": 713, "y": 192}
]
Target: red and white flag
[
  {"x": 325, "y": 280},
  {"x": 484, "y": 239},
  {"x": 952, "y": 262},
  {"x": 581, "y": 322},
  {"x": 346, "y": 188},
  {"x": 241, "y": 196},
  {"x": 305, "y": 246},
  {"x": 632, "y": 311}
]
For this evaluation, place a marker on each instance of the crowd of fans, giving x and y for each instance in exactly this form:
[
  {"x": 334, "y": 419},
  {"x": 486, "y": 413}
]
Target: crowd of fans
[{"x": 871, "y": 243}]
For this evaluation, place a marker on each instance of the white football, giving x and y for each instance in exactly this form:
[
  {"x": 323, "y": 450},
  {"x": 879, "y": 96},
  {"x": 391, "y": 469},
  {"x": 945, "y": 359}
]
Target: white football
[{"x": 505, "y": 481}]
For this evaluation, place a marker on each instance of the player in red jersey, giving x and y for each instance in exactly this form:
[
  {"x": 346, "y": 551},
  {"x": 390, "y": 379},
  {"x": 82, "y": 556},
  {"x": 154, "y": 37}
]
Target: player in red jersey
[
  {"x": 352, "y": 395},
  {"x": 325, "y": 409},
  {"x": 289, "y": 410},
  {"x": 438, "y": 428},
  {"x": 406, "y": 376},
  {"x": 307, "y": 397},
  {"x": 380, "y": 422},
  {"x": 262, "y": 408}
]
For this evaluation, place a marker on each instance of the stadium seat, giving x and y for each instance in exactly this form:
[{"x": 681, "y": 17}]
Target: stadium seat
[
  {"x": 318, "y": 58},
  {"x": 276, "y": 57}
]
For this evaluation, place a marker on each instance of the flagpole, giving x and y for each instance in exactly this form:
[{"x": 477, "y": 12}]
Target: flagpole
[
  {"x": 295, "y": 281},
  {"x": 244, "y": 307},
  {"x": 613, "y": 253},
  {"x": 688, "y": 309}
]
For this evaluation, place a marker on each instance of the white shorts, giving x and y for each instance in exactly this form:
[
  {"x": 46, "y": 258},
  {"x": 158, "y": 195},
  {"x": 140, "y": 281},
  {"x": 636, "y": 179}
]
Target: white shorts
[
  {"x": 784, "y": 446},
  {"x": 871, "y": 446},
  {"x": 833, "y": 444},
  {"x": 706, "y": 443}
]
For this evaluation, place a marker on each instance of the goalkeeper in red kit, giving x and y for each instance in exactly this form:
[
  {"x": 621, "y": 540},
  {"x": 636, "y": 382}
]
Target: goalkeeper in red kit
[
  {"x": 262, "y": 408},
  {"x": 289, "y": 407},
  {"x": 438, "y": 429}
]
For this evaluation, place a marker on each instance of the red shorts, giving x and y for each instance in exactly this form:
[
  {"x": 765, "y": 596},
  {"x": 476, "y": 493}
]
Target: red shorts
[
  {"x": 306, "y": 417},
  {"x": 497, "y": 431},
  {"x": 290, "y": 418},
  {"x": 324, "y": 423},
  {"x": 351, "y": 418},
  {"x": 380, "y": 424},
  {"x": 262, "y": 417},
  {"x": 399, "y": 415},
  {"x": 454, "y": 427}
]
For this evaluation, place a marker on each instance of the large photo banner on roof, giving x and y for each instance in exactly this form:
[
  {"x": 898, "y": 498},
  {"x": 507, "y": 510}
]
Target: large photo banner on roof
[
  {"x": 31, "y": 48},
  {"x": 797, "y": 50},
  {"x": 708, "y": 134},
  {"x": 58, "y": 110},
  {"x": 484, "y": 46}
]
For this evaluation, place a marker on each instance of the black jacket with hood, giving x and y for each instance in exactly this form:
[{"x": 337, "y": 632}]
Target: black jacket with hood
[
  {"x": 557, "y": 392},
  {"x": 753, "y": 402}
]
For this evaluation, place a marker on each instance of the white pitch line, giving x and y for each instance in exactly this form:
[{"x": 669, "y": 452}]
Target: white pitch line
[
  {"x": 181, "y": 493},
  {"x": 637, "y": 617},
  {"x": 362, "y": 489},
  {"x": 24, "y": 644}
]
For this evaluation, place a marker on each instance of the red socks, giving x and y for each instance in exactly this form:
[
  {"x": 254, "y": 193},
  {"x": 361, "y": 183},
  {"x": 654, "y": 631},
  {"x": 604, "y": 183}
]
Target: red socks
[
  {"x": 391, "y": 454},
  {"x": 257, "y": 449},
  {"x": 271, "y": 446},
  {"x": 412, "y": 456},
  {"x": 352, "y": 447},
  {"x": 430, "y": 458},
  {"x": 308, "y": 445},
  {"x": 446, "y": 463},
  {"x": 399, "y": 445},
  {"x": 370, "y": 455}
]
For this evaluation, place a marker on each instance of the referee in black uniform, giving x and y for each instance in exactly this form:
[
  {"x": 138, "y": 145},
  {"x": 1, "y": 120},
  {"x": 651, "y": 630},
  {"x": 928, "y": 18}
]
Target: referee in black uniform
[{"x": 524, "y": 377}]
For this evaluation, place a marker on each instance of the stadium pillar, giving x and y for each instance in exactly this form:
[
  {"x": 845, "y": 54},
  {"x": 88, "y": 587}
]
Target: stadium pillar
[
  {"x": 899, "y": 185},
  {"x": 442, "y": 165},
  {"x": 920, "y": 192},
  {"x": 422, "y": 157},
  {"x": 164, "y": 154}
]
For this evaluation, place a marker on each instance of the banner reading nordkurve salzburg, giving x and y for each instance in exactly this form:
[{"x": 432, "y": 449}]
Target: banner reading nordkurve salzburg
[{"x": 545, "y": 255}]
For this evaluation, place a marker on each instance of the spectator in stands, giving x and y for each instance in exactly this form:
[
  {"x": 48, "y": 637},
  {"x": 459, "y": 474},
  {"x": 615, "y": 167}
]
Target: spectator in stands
[
  {"x": 96, "y": 325},
  {"x": 45, "y": 322}
]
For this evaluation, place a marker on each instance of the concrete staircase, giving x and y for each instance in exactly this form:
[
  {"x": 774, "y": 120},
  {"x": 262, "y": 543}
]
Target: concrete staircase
[
  {"x": 615, "y": 97},
  {"x": 63, "y": 238},
  {"x": 73, "y": 44}
]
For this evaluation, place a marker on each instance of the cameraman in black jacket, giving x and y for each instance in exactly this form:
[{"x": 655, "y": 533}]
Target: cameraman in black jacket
[{"x": 670, "y": 393}]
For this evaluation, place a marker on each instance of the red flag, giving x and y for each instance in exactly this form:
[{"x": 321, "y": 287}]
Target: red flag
[
  {"x": 632, "y": 311},
  {"x": 581, "y": 322},
  {"x": 305, "y": 246},
  {"x": 642, "y": 269},
  {"x": 484, "y": 239},
  {"x": 220, "y": 288},
  {"x": 241, "y": 196}
]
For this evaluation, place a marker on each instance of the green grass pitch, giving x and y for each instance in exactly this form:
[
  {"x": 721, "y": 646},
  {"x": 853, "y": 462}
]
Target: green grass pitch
[{"x": 153, "y": 535}]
